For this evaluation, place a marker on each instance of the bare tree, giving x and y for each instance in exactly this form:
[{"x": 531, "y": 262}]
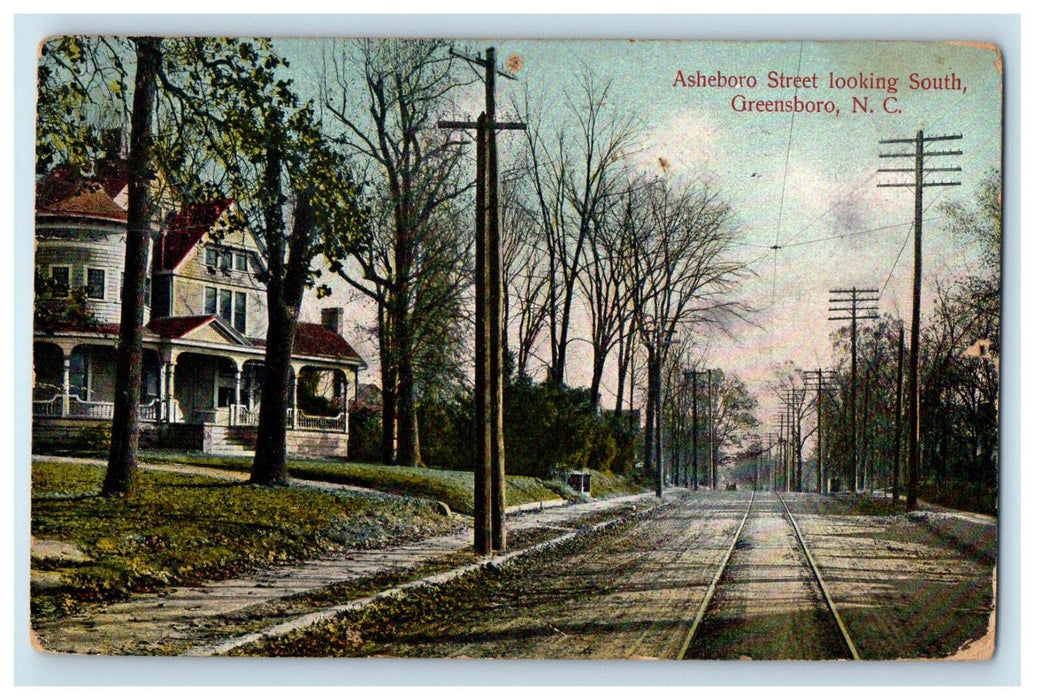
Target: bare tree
[
  {"x": 572, "y": 171},
  {"x": 684, "y": 276},
  {"x": 409, "y": 260},
  {"x": 525, "y": 276}
]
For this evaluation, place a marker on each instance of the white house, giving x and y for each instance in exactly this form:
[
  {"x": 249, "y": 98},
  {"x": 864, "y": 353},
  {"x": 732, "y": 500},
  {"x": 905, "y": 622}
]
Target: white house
[{"x": 205, "y": 324}]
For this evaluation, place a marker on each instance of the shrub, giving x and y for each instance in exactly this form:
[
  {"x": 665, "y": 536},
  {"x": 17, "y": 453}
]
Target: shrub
[{"x": 92, "y": 439}]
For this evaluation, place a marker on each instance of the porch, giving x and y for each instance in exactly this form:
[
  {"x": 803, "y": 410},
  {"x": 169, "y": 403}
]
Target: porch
[{"x": 74, "y": 388}]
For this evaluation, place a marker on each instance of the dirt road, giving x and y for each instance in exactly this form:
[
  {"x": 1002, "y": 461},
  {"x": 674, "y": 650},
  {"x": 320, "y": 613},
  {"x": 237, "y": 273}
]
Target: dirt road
[{"x": 915, "y": 586}]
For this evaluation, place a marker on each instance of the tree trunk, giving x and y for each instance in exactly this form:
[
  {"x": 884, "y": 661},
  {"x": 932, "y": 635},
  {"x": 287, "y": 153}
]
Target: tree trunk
[
  {"x": 388, "y": 388},
  {"x": 121, "y": 474},
  {"x": 285, "y": 293}
]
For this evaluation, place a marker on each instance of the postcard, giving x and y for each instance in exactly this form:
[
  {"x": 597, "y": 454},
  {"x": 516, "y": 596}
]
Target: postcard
[{"x": 516, "y": 349}]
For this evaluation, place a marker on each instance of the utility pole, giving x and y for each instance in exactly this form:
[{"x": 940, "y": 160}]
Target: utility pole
[
  {"x": 783, "y": 457},
  {"x": 920, "y": 171},
  {"x": 490, "y": 470},
  {"x": 711, "y": 426},
  {"x": 820, "y": 377},
  {"x": 770, "y": 463},
  {"x": 861, "y": 304},
  {"x": 895, "y": 478},
  {"x": 692, "y": 376}
]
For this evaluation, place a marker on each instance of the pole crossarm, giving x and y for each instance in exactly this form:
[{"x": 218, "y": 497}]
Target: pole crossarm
[
  {"x": 448, "y": 124},
  {"x": 483, "y": 62}
]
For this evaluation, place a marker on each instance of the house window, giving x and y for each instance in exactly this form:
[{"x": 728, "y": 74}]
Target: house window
[
  {"x": 229, "y": 305},
  {"x": 148, "y": 291},
  {"x": 241, "y": 263},
  {"x": 95, "y": 283},
  {"x": 219, "y": 258},
  {"x": 210, "y": 306},
  {"x": 226, "y": 304},
  {"x": 240, "y": 312},
  {"x": 162, "y": 300},
  {"x": 60, "y": 275}
]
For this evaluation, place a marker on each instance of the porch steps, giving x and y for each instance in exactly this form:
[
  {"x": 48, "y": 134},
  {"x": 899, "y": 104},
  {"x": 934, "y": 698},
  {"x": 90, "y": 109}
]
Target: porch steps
[{"x": 231, "y": 441}]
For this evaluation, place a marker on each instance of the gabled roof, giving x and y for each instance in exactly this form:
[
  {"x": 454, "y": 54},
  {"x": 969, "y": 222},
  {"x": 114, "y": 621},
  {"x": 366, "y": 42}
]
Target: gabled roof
[
  {"x": 175, "y": 327},
  {"x": 65, "y": 192},
  {"x": 186, "y": 228}
]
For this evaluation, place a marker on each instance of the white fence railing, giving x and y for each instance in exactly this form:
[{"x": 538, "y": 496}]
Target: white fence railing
[
  {"x": 156, "y": 411},
  {"x": 49, "y": 407},
  {"x": 78, "y": 408},
  {"x": 102, "y": 410},
  {"x": 328, "y": 423}
]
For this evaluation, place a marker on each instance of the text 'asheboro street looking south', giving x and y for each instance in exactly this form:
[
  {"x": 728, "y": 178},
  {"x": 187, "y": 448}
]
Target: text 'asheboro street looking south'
[{"x": 868, "y": 90}]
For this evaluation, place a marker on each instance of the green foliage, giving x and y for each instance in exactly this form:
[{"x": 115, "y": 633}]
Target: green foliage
[
  {"x": 92, "y": 439},
  {"x": 364, "y": 439},
  {"x": 55, "y": 306},
  {"x": 81, "y": 83},
  {"x": 546, "y": 425},
  {"x": 185, "y": 529}
]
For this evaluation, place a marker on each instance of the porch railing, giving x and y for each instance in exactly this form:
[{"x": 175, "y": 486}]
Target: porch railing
[
  {"x": 48, "y": 408},
  {"x": 328, "y": 423},
  {"x": 156, "y": 410},
  {"x": 152, "y": 411},
  {"x": 102, "y": 410},
  {"x": 78, "y": 408},
  {"x": 251, "y": 417}
]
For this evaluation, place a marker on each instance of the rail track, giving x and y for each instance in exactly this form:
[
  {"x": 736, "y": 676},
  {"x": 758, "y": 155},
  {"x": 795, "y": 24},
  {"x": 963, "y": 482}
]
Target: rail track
[{"x": 796, "y": 601}]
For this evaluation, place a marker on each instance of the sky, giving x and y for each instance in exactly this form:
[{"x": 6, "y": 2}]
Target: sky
[{"x": 803, "y": 186}]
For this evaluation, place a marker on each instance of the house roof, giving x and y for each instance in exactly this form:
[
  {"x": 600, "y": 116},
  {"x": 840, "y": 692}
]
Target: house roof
[
  {"x": 186, "y": 228},
  {"x": 312, "y": 339},
  {"x": 177, "y": 326},
  {"x": 315, "y": 340},
  {"x": 65, "y": 192}
]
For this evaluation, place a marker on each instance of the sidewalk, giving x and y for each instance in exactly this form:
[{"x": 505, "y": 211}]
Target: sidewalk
[{"x": 149, "y": 622}]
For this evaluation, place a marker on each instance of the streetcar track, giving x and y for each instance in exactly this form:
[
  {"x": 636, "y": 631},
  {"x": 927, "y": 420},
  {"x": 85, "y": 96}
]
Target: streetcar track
[
  {"x": 726, "y": 560},
  {"x": 716, "y": 579},
  {"x": 821, "y": 583}
]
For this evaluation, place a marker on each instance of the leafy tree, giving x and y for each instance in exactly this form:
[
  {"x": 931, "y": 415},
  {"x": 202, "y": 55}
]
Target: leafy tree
[
  {"x": 266, "y": 150},
  {"x": 55, "y": 306}
]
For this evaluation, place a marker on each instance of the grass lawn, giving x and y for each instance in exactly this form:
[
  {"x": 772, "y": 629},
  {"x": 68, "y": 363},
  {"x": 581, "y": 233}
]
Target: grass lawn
[
  {"x": 454, "y": 488},
  {"x": 183, "y": 529}
]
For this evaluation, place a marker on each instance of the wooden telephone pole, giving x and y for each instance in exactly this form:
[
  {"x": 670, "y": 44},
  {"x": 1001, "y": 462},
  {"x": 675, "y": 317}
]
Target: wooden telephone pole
[
  {"x": 860, "y": 305},
  {"x": 820, "y": 377},
  {"x": 895, "y": 478},
  {"x": 919, "y": 172},
  {"x": 490, "y": 469}
]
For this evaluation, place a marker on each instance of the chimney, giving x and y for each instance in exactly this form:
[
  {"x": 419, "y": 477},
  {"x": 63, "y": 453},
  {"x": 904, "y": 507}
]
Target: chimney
[
  {"x": 333, "y": 319},
  {"x": 112, "y": 143}
]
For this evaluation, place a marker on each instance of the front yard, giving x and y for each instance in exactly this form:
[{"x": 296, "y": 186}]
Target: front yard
[{"x": 183, "y": 529}]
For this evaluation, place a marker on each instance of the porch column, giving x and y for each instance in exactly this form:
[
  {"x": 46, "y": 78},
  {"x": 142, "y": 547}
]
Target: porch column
[
  {"x": 66, "y": 360},
  {"x": 170, "y": 410},
  {"x": 346, "y": 402},
  {"x": 235, "y": 402},
  {"x": 293, "y": 389},
  {"x": 161, "y": 412}
]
